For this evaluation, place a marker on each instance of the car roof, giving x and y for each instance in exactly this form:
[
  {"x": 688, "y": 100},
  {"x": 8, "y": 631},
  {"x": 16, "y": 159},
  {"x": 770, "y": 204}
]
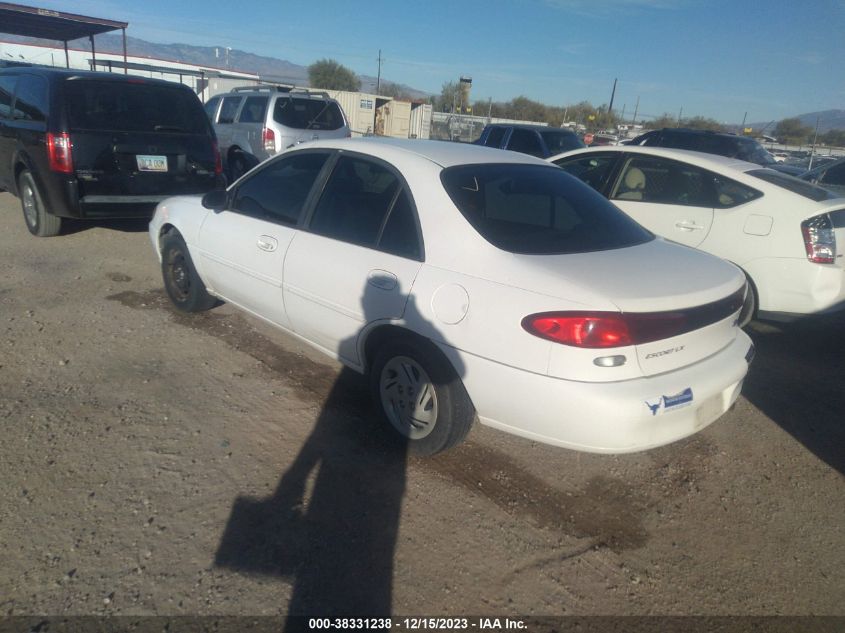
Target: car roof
[
  {"x": 65, "y": 73},
  {"x": 442, "y": 153},
  {"x": 702, "y": 159},
  {"x": 530, "y": 126}
]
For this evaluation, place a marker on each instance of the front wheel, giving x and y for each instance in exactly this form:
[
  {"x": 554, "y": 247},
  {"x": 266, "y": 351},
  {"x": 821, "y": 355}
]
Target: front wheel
[
  {"x": 38, "y": 221},
  {"x": 419, "y": 394},
  {"x": 181, "y": 280}
]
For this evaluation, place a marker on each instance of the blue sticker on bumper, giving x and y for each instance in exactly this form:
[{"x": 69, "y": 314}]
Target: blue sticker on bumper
[{"x": 670, "y": 402}]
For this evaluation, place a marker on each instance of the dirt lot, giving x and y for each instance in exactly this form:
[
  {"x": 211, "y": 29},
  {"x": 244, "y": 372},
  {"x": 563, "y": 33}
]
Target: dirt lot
[{"x": 154, "y": 463}]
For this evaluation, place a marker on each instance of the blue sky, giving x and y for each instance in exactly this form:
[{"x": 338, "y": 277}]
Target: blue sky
[{"x": 714, "y": 58}]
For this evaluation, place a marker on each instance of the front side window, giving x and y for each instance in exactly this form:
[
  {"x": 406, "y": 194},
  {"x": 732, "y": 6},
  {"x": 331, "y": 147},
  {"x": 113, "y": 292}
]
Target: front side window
[
  {"x": 7, "y": 89},
  {"x": 654, "y": 179},
  {"x": 834, "y": 175},
  {"x": 534, "y": 209},
  {"x": 254, "y": 110},
  {"x": 495, "y": 136},
  {"x": 525, "y": 141},
  {"x": 31, "y": 99},
  {"x": 229, "y": 109},
  {"x": 308, "y": 114},
  {"x": 592, "y": 169},
  {"x": 366, "y": 203},
  {"x": 278, "y": 192}
]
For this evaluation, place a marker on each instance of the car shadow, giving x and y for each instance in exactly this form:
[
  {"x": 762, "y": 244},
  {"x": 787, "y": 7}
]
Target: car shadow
[
  {"x": 71, "y": 226},
  {"x": 797, "y": 381}
]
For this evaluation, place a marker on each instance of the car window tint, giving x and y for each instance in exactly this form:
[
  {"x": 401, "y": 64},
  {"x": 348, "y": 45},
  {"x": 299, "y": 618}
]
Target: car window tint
[
  {"x": 400, "y": 235},
  {"x": 228, "y": 109},
  {"x": 834, "y": 175},
  {"x": 730, "y": 193},
  {"x": 31, "y": 98},
  {"x": 654, "y": 179},
  {"x": 278, "y": 191},
  {"x": 211, "y": 107},
  {"x": 308, "y": 114},
  {"x": 592, "y": 169},
  {"x": 525, "y": 141},
  {"x": 495, "y": 136},
  {"x": 7, "y": 88},
  {"x": 355, "y": 201},
  {"x": 790, "y": 183},
  {"x": 535, "y": 209},
  {"x": 254, "y": 110},
  {"x": 132, "y": 107},
  {"x": 558, "y": 141}
]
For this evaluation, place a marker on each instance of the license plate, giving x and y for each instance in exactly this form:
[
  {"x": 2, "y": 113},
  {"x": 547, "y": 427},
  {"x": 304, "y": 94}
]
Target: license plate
[{"x": 151, "y": 163}]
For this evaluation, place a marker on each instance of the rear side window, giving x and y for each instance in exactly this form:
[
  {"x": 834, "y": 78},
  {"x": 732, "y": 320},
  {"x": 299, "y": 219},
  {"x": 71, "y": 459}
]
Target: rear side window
[
  {"x": 132, "y": 107},
  {"x": 254, "y": 110},
  {"x": 228, "y": 109},
  {"x": 7, "y": 88},
  {"x": 278, "y": 191},
  {"x": 533, "y": 209},
  {"x": 31, "y": 99},
  {"x": 652, "y": 179},
  {"x": 525, "y": 141},
  {"x": 211, "y": 107},
  {"x": 308, "y": 114},
  {"x": 365, "y": 203},
  {"x": 495, "y": 136},
  {"x": 558, "y": 142}
]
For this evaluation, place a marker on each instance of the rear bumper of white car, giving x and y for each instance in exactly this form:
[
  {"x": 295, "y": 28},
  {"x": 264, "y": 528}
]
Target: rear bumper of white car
[
  {"x": 794, "y": 286},
  {"x": 619, "y": 417}
]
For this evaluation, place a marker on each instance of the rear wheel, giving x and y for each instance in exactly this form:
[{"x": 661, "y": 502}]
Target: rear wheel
[
  {"x": 38, "y": 221},
  {"x": 181, "y": 280},
  {"x": 419, "y": 394},
  {"x": 238, "y": 165}
]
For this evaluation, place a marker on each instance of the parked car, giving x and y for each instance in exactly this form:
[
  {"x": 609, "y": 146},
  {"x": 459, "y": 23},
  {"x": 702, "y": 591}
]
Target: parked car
[
  {"x": 709, "y": 142},
  {"x": 465, "y": 280},
  {"x": 255, "y": 122},
  {"x": 786, "y": 234},
  {"x": 830, "y": 175},
  {"x": 100, "y": 145},
  {"x": 537, "y": 140}
]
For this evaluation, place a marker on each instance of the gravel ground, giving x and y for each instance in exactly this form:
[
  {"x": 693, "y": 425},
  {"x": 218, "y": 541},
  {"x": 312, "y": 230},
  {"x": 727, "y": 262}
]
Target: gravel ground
[{"x": 160, "y": 464}]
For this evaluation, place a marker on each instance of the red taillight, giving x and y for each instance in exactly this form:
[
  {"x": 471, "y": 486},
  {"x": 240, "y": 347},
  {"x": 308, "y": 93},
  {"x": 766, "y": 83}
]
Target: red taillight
[
  {"x": 587, "y": 329},
  {"x": 218, "y": 161},
  {"x": 819, "y": 239},
  {"x": 59, "y": 152},
  {"x": 268, "y": 137}
]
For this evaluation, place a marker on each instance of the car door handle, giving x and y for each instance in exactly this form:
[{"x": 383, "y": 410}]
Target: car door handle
[
  {"x": 267, "y": 243},
  {"x": 382, "y": 279},
  {"x": 687, "y": 225}
]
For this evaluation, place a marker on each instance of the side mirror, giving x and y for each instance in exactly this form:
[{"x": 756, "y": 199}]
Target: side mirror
[{"x": 215, "y": 200}]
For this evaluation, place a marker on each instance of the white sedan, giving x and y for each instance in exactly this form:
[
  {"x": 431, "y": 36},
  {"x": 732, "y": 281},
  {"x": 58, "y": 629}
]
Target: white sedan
[
  {"x": 468, "y": 283},
  {"x": 787, "y": 235}
]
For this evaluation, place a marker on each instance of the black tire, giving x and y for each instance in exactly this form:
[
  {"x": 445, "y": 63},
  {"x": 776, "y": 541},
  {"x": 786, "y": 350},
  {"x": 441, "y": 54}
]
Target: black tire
[
  {"x": 407, "y": 371},
  {"x": 181, "y": 280},
  {"x": 238, "y": 165},
  {"x": 38, "y": 221}
]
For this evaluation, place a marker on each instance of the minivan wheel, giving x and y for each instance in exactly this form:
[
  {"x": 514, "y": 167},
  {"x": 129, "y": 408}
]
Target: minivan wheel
[
  {"x": 181, "y": 280},
  {"x": 38, "y": 221},
  {"x": 420, "y": 396}
]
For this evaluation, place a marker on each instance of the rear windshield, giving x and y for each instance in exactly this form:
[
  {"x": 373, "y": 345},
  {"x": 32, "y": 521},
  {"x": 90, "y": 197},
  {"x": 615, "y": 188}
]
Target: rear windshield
[
  {"x": 133, "y": 107},
  {"x": 308, "y": 114},
  {"x": 559, "y": 142},
  {"x": 534, "y": 209},
  {"x": 801, "y": 187}
]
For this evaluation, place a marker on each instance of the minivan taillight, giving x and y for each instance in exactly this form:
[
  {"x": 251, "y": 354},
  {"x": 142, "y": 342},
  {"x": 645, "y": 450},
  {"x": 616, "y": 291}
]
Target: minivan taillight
[
  {"x": 218, "y": 161},
  {"x": 59, "y": 152},
  {"x": 819, "y": 239},
  {"x": 268, "y": 137},
  {"x": 596, "y": 330}
]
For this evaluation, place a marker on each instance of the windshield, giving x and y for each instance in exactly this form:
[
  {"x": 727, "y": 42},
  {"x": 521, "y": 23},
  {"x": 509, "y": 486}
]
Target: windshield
[
  {"x": 533, "y": 209},
  {"x": 795, "y": 185},
  {"x": 753, "y": 152},
  {"x": 133, "y": 107}
]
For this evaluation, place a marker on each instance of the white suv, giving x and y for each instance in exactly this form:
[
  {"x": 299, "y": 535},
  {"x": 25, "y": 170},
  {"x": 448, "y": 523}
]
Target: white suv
[{"x": 253, "y": 123}]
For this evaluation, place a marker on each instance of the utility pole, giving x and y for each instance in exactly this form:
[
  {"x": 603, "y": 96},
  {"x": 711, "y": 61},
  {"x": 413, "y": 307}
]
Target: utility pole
[
  {"x": 744, "y": 116},
  {"x": 636, "y": 109},
  {"x": 680, "y": 114},
  {"x": 489, "y": 109},
  {"x": 378, "y": 77},
  {"x": 813, "y": 150},
  {"x": 612, "y": 95}
]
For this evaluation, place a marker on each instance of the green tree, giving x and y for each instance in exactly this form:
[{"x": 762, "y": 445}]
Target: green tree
[
  {"x": 836, "y": 138},
  {"x": 394, "y": 90},
  {"x": 449, "y": 98},
  {"x": 793, "y": 132},
  {"x": 702, "y": 123},
  {"x": 331, "y": 75}
]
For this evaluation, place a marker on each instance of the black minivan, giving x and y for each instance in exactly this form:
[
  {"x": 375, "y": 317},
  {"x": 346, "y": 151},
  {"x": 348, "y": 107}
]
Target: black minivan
[{"x": 96, "y": 145}]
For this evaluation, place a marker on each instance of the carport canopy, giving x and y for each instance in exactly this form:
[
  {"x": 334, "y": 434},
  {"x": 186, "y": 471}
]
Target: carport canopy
[{"x": 56, "y": 25}]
